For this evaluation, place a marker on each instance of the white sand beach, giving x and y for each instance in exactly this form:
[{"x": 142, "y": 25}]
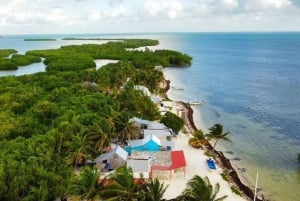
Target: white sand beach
[{"x": 196, "y": 165}]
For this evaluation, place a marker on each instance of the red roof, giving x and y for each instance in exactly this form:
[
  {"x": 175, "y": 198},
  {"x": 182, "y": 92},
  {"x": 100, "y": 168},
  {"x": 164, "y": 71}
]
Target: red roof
[{"x": 178, "y": 159}]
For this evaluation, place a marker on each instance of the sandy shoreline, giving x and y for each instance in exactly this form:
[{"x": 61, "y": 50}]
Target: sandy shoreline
[{"x": 196, "y": 161}]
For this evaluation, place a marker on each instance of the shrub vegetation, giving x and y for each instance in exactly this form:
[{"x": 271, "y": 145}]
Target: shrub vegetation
[
  {"x": 24, "y": 60},
  {"x": 6, "y": 64},
  {"x": 172, "y": 121},
  {"x": 6, "y": 52},
  {"x": 53, "y": 121}
]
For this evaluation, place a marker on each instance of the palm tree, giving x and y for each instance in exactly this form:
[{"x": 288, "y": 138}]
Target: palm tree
[
  {"x": 87, "y": 184},
  {"x": 154, "y": 190},
  {"x": 127, "y": 128},
  {"x": 216, "y": 132},
  {"x": 56, "y": 140},
  {"x": 40, "y": 192},
  {"x": 79, "y": 148},
  {"x": 112, "y": 119},
  {"x": 122, "y": 186},
  {"x": 199, "y": 189},
  {"x": 100, "y": 134},
  {"x": 70, "y": 124},
  {"x": 198, "y": 139},
  {"x": 129, "y": 131}
]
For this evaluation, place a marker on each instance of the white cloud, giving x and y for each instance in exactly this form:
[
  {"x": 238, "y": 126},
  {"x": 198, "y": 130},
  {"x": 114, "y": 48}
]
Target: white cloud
[
  {"x": 155, "y": 15},
  {"x": 153, "y": 7},
  {"x": 114, "y": 2},
  {"x": 230, "y": 4},
  {"x": 279, "y": 4},
  {"x": 175, "y": 8},
  {"x": 94, "y": 15},
  {"x": 268, "y": 4},
  {"x": 121, "y": 11},
  {"x": 161, "y": 9},
  {"x": 200, "y": 10},
  {"x": 9, "y": 7},
  {"x": 59, "y": 15},
  {"x": 55, "y": 15}
]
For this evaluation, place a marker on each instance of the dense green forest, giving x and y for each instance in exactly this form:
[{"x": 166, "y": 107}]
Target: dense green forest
[
  {"x": 51, "y": 122},
  {"x": 23, "y": 60},
  {"x": 15, "y": 60},
  {"x": 6, "y": 52},
  {"x": 5, "y": 63}
]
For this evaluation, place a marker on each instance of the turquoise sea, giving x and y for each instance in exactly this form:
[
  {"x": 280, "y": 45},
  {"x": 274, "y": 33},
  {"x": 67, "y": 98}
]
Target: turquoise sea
[{"x": 249, "y": 82}]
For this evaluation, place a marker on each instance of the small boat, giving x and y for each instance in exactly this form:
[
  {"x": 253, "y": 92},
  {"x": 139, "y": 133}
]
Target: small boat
[
  {"x": 175, "y": 88},
  {"x": 196, "y": 102},
  {"x": 211, "y": 164}
]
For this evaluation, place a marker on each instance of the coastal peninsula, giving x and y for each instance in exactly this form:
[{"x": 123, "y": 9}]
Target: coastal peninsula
[
  {"x": 52, "y": 122},
  {"x": 56, "y": 121}
]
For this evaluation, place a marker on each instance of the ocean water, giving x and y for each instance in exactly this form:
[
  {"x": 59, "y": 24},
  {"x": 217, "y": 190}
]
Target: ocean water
[{"x": 249, "y": 82}]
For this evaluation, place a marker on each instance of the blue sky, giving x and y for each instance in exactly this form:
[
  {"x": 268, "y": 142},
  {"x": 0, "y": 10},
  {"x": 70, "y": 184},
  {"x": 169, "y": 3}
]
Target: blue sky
[{"x": 122, "y": 16}]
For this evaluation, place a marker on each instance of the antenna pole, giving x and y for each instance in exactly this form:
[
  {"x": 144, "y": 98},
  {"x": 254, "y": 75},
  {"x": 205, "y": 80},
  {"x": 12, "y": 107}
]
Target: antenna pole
[{"x": 255, "y": 190}]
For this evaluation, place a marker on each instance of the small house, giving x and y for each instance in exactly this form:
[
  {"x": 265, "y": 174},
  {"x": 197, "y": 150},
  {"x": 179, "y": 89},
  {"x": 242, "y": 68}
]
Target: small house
[
  {"x": 111, "y": 160},
  {"x": 141, "y": 167},
  {"x": 149, "y": 143}
]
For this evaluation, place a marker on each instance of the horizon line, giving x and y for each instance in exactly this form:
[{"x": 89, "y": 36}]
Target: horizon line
[{"x": 159, "y": 32}]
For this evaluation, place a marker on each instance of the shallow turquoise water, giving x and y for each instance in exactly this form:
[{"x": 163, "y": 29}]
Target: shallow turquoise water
[{"x": 250, "y": 84}]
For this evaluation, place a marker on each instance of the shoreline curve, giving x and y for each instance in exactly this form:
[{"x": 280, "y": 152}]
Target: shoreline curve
[{"x": 225, "y": 162}]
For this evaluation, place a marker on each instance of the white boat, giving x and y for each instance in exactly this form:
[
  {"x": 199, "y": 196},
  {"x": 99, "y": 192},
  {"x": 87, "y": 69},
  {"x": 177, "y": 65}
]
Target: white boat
[
  {"x": 175, "y": 88},
  {"x": 196, "y": 102}
]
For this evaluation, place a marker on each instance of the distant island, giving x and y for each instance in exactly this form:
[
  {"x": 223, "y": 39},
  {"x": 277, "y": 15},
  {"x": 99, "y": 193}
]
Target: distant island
[
  {"x": 39, "y": 39},
  {"x": 93, "y": 39}
]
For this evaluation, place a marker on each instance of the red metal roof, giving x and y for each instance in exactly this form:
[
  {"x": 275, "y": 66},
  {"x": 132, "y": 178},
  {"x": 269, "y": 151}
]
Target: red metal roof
[{"x": 178, "y": 159}]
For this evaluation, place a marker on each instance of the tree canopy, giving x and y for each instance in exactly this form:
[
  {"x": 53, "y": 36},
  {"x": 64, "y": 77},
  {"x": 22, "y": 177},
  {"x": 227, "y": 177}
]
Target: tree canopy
[
  {"x": 172, "y": 121},
  {"x": 200, "y": 189},
  {"x": 53, "y": 121},
  {"x": 216, "y": 132},
  {"x": 15, "y": 60},
  {"x": 23, "y": 60},
  {"x": 6, "y": 52}
]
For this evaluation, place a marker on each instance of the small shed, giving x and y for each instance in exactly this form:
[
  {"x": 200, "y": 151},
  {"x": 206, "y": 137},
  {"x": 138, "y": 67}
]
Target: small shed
[{"x": 112, "y": 159}]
